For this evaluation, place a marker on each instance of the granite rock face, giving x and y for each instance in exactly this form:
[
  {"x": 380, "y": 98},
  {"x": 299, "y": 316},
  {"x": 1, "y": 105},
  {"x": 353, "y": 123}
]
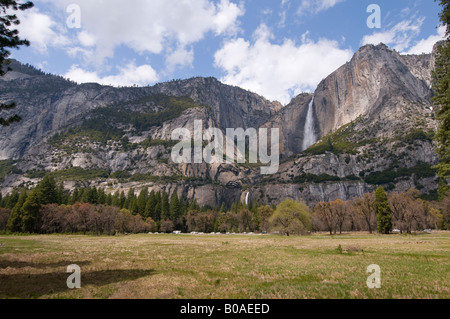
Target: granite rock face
[{"x": 375, "y": 109}]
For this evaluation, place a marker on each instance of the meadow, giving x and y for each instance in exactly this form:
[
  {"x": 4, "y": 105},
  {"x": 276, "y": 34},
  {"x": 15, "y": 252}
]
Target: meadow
[{"x": 226, "y": 266}]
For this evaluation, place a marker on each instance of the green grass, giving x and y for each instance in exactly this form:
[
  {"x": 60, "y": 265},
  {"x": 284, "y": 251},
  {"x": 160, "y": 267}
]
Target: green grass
[{"x": 169, "y": 266}]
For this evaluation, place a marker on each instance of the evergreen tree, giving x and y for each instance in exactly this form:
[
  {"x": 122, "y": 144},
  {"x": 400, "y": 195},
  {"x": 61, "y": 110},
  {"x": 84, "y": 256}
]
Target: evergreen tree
[
  {"x": 223, "y": 208},
  {"x": 134, "y": 207},
  {"x": 175, "y": 207},
  {"x": 81, "y": 194},
  {"x": 158, "y": 211},
  {"x": 116, "y": 200},
  {"x": 62, "y": 195},
  {"x": 150, "y": 206},
  {"x": 12, "y": 199},
  {"x": 30, "y": 212},
  {"x": 131, "y": 197},
  {"x": 101, "y": 196},
  {"x": 123, "y": 199},
  {"x": 9, "y": 39},
  {"x": 47, "y": 191},
  {"x": 254, "y": 208},
  {"x": 193, "y": 206},
  {"x": 158, "y": 207},
  {"x": 109, "y": 199},
  {"x": 93, "y": 198},
  {"x": 165, "y": 206},
  {"x": 441, "y": 99},
  {"x": 15, "y": 219},
  {"x": 234, "y": 208},
  {"x": 383, "y": 211},
  {"x": 75, "y": 197},
  {"x": 4, "y": 201},
  {"x": 142, "y": 202},
  {"x": 89, "y": 196}
]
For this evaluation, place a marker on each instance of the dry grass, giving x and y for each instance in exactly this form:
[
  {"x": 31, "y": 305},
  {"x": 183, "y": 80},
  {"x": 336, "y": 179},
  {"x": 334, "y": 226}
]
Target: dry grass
[{"x": 184, "y": 266}]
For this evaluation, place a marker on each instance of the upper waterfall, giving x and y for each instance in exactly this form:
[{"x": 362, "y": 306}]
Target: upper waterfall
[{"x": 310, "y": 137}]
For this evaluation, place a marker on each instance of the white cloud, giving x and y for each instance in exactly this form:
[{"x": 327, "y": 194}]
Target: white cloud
[
  {"x": 86, "y": 39},
  {"x": 155, "y": 26},
  {"x": 278, "y": 71},
  {"x": 315, "y": 6},
  {"x": 179, "y": 58},
  {"x": 426, "y": 45},
  {"x": 41, "y": 30},
  {"x": 399, "y": 36},
  {"x": 128, "y": 75}
]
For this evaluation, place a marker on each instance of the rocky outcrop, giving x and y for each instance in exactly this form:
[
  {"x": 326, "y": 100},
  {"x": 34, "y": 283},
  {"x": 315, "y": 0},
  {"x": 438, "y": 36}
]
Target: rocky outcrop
[
  {"x": 371, "y": 83},
  {"x": 371, "y": 116},
  {"x": 48, "y": 104},
  {"x": 232, "y": 107}
]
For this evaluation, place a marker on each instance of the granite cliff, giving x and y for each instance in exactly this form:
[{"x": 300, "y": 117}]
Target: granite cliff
[{"x": 372, "y": 119}]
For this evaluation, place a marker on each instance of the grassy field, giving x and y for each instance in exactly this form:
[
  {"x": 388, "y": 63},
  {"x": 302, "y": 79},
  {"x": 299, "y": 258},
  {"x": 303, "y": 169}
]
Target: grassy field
[{"x": 223, "y": 267}]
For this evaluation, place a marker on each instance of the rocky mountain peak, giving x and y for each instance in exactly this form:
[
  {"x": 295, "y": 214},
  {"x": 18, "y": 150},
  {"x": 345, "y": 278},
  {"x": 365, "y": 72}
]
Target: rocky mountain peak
[{"x": 371, "y": 115}]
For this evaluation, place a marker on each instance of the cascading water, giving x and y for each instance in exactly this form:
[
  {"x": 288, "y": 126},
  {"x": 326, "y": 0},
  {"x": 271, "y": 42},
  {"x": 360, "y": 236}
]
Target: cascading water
[
  {"x": 246, "y": 198},
  {"x": 310, "y": 137}
]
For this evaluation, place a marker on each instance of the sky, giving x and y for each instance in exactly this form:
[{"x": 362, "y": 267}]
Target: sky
[{"x": 276, "y": 48}]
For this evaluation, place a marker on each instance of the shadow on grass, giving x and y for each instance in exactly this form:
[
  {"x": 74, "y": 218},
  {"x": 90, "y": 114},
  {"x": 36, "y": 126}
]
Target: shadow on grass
[
  {"x": 23, "y": 264},
  {"x": 24, "y": 286}
]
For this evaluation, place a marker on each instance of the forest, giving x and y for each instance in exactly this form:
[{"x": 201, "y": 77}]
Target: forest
[{"x": 49, "y": 208}]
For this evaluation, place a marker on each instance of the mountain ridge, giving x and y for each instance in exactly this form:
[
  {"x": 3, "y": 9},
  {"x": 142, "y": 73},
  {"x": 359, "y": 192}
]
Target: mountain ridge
[{"x": 371, "y": 104}]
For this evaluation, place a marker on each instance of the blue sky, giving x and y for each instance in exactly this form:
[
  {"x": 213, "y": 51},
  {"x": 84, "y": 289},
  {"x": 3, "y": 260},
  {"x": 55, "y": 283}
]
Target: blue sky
[{"x": 277, "y": 48}]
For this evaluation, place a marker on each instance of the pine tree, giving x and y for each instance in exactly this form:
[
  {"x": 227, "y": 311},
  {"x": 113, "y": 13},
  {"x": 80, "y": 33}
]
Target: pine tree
[
  {"x": 30, "y": 212},
  {"x": 234, "y": 208},
  {"x": 93, "y": 198},
  {"x": 11, "y": 201},
  {"x": 109, "y": 199},
  {"x": 9, "y": 39},
  {"x": 193, "y": 206},
  {"x": 175, "y": 207},
  {"x": 81, "y": 194},
  {"x": 89, "y": 196},
  {"x": 134, "y": 207},
  {"x": 158, "y": 207},
  {"x": 142, "y": 202},
  {"x": 75, "y": 196},
  {"x": 63, "y": 195},
  {"x": 151, "y": 205},
  {"x": 158, "y": 211},
  {"x": 123, "y": 199},
  {"x": 116, "y": 200},
  {"x": 165, "y": 206},
  {"x": 15, "y": 219},
  {"x": 129, "y": 202},
  {"x": 101, "y": 196},
  {"x": 47, "y": 191},
  {"x": 383, "y": 211},
  {"x": 441, "y": 99}
]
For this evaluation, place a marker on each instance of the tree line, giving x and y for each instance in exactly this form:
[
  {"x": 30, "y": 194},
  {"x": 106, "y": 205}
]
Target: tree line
[
  {"x": 49, "y": 208},
  {"x": 382, "y": 213}
]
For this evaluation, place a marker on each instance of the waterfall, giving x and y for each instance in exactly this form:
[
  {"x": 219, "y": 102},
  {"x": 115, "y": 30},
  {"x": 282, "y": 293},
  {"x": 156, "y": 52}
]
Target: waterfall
[
  {"x": 310, "y": 137},
  {"x": 246, "y": 198}
]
